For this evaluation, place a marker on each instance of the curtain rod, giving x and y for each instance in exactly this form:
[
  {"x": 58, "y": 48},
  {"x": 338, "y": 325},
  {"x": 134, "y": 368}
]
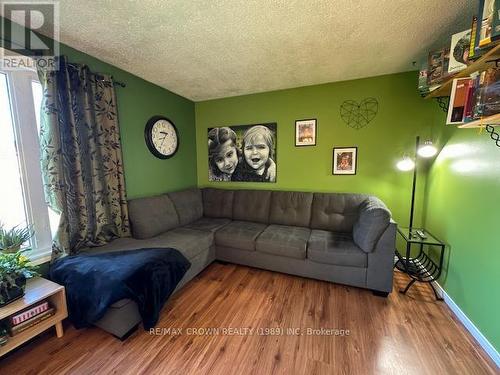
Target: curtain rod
[
  {"x": 118, "y": 83},
  {"x": 115, "y": 83}
]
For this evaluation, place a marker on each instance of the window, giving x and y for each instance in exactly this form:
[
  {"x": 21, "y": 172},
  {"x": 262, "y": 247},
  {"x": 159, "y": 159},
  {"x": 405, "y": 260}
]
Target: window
[{"x": 22, "y": 200}]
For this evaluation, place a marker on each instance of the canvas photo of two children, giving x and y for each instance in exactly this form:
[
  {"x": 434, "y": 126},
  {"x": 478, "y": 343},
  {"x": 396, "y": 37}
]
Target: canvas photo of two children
[{"x": 242, "y": 153}]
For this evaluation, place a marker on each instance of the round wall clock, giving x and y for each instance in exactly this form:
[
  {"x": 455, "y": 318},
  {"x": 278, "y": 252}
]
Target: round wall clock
[{"x": 161, "y": 137}]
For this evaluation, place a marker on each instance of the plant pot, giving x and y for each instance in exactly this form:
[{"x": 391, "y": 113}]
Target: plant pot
[
  {"x": 12, "y": 249},
  {"x": 11, "y": 288}
]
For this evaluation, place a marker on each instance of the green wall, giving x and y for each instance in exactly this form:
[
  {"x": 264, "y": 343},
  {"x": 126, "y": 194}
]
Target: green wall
[
  {"x": 457, "y": 192},
  {"x": 463, "y": 210},
  {"x": 145, "y": 174},
  {"x": 402, "y": 115}
]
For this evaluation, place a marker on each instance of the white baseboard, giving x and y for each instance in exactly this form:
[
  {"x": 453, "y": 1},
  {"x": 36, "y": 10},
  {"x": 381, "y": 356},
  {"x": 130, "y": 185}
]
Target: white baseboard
[{"x": 476, "y": 333}]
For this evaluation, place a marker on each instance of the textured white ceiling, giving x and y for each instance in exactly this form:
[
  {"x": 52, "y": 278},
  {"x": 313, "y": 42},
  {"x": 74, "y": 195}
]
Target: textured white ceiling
[{"x": 218, "y": 48}]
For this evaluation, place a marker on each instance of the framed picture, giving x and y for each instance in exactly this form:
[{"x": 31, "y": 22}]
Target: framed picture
[
  {"x": 305, "y": 132},
  {"x": 243, "y": 153},
  {"x": 345, "y": 160}
]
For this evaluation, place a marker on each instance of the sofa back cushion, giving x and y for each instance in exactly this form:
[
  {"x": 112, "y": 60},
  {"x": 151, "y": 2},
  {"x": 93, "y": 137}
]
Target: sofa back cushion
[
  {"x": 336, "y": 212},
  {"x": 374, "y": 218},
  {"x": 152, "y": 216},
  {"x": 218, "y": 203},
  {"x": 290, "y": 208},
  {"x": 252, "y": 205},
  {"x": 188, "y": 205}
]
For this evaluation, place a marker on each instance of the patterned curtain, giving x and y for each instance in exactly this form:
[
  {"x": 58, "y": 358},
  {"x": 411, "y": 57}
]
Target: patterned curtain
[{"x": 81, "y": 158}]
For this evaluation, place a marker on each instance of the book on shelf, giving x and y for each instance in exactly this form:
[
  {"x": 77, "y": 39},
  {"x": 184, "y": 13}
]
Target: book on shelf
[
  {"x": 476, "y": 97},
  {"x": 470, "y": 101},
  {"x": 473, "y": 38},
  {"x": 438, "y": 62},
  {"x": 488, "y": 96},
  {"x": 458, "y": 100},
  {"x": 495, "y": 23},
  {"x": 485, "y": 20},
  {"x": 29, "y": 313},
  {"x": 15, "y": 330},
  {"x": 459, "y": 51}
]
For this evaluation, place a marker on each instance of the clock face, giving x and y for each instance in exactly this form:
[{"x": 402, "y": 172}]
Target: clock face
[{"x": 161, "y": 137}]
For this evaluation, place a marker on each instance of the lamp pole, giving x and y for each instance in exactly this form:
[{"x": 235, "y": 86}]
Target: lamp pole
[{"x": 417, "y": 142}]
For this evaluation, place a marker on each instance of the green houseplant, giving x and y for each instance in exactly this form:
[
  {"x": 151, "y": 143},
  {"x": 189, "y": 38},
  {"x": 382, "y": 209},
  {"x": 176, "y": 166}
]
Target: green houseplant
[
  {"x": 12, "y": 239},
  {"x": 15, "y": 266}
]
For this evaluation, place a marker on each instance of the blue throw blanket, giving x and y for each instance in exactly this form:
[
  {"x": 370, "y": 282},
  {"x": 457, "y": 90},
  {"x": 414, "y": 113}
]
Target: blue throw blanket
[{"x": 94, "y": 282}]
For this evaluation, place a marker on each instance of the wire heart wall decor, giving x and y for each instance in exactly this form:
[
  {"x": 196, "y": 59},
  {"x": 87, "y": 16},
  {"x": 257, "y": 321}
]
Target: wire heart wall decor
[{"x": 358, "y": 115}]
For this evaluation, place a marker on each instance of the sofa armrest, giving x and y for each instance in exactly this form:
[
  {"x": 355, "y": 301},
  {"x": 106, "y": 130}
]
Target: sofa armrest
[
  {"x": 373, "y": 219},
  {"x": 380, "y": 272}
]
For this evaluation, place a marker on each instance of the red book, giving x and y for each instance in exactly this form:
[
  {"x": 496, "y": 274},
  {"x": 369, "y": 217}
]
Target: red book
[
  {"x": 469, "y": 101},
  {"x": 459, "y": 94}
]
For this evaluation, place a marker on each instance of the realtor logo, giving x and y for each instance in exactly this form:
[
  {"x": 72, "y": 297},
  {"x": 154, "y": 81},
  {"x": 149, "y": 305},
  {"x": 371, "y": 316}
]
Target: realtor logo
[{"x": 23, "y": 23}]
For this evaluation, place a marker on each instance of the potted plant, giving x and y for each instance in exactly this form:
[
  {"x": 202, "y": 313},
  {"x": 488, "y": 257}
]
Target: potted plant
[
  {"x": 15, "y": 266},
  {"x": 12, "y": 239}
]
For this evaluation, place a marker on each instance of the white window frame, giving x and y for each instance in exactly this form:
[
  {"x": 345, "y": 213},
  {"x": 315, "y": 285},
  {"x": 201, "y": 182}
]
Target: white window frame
[{"x": 19, "y": 83}]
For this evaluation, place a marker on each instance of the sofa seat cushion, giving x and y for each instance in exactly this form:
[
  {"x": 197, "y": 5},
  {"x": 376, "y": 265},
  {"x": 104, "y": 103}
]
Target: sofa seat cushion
[
  {"x": 239, "y": 234},
  {"x": 335, "y": 248},
  {"x": 208, "y": 224},
  {"x": 189, "y": 242},
  {"x": 283, "y": 240}
]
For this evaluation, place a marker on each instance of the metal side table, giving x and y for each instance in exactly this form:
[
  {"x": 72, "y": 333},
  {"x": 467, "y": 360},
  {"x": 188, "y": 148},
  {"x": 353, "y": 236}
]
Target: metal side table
[{"x": 422, "y": 267}]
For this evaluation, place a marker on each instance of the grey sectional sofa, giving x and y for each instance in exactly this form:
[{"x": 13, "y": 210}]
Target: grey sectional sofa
[{"x": 343, "y": 238}]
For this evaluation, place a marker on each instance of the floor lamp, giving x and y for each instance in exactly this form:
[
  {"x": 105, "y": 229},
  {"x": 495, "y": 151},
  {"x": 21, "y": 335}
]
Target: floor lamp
[
  {"x": 422, "y": 267},
  {"x": 426, "y": 150}
]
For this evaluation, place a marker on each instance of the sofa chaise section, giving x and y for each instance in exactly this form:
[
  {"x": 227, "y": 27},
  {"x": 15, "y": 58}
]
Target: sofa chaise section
[{"x": 157, "y": 222}]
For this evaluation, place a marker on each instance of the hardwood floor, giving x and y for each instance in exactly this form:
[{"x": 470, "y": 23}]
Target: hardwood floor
[{"x": 396, "y": 335}]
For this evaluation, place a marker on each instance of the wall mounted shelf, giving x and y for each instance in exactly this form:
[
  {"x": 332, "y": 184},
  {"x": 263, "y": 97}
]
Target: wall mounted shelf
[
  {"x": 480, "y": 64},
  {"x": 493, "y": 120}
]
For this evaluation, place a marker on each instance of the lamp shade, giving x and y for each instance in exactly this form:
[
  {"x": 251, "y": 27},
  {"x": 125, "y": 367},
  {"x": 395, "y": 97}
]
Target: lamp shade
[
  {"x": 405, "y": 164},
  {"x": 427, "y": 150}
]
